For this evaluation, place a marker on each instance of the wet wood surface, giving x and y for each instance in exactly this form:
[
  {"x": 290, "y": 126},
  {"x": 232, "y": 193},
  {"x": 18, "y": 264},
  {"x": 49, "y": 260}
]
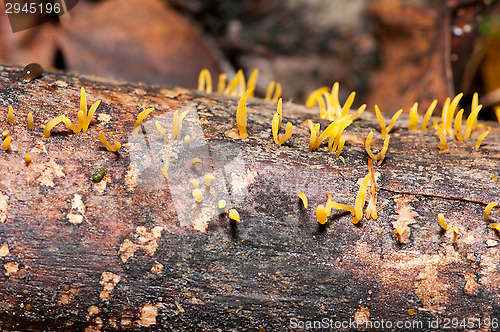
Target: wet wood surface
[{"x": 135, "y": 251}]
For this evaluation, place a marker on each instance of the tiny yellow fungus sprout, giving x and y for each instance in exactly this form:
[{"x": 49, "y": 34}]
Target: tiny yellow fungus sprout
[
  {"x": 140, "y": 118},
  {"x": 241, "y": 115},
  {"x": 428, "y": 114},
  {"x": 444, "y": 114},
  {"x": 51, "y": 124},
  {"x": 393, "y": 121},
  {"x": 87, "y": 118},
  {"x": 360, "y": 199},
  {"x": 413, "y": 117},
  {"x": 162, "y": 131},
  {"x": 385, "y": 130},
  {"x": 458, "y": 126},
  {"x": 303, "y": 198},
  {"x": 234, "y": 215},
  {"x": 487, "y": 210},
  {"x": 195, "y": 184},
  {"x": 70, "y": 125},
  {"x": 221, "y": 204},
  {"x": 237, "y": 86},
  {"x": 6, "y": 143},
  {"x": 495, "y": 226},
  {"x": 166, "y": 165},
  {"x": 10, "y": 116},
  {"x": 108, "y": 146},
  {"x": 313, "y": 137},
  {"x": 276, "y": 122},
  {"x": 208, "y": 178},
  {"x": 287, "y": 134},
  {"x": 177, "y": 124},
  {"x": 28, "y": 158},
  {"x": 340, "y": 146},
  {"x": 221, "y": 85},
  {"x": 31, "y": 123},
  {"x": 368, "y": 141},
  {"x": 5, "y": 133},
  {"x": 442, "y": 138},
  {"x": 277, "y": 92},
  {"x": 187, "y": 140},
  {"x": 205, "y": 81},
  {"x": 471, "y": 120},
  {"x": 497, "y": 113},
  {"x": 252, "y": 80},
  {"x": 321, "y": 214},
  {"x": 194, "y": 161},
  {"x": 480, "y": 139},
  {"x": 451, "y": 113},
  {"x": 382, "y": 152},
  {"x": 198, "y": 195},
  {"x": 442, "y": 222},
  {"x": 315, "y": 96}
]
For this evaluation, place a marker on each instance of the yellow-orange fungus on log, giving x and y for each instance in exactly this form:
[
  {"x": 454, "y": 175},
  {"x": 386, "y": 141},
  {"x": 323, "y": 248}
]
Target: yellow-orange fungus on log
[
  {"x": 360, "y": 199},
  {"x": 321, "y": 214},
  {"x": 28, "y": 158},
  {"x": 198, "y": 195},
  {"x": 10, "y": 116},
  {"x": 6, "y": 143},
  {"x": 241, "y": 115},
  {"x": 487, "y": 210},
  {"x": 458, "y": 125},
  {"x": 234, "y": 215},
  {"x": 194, "y": 183},
  {"x": 303, "y": 198},
  {"x": 208, "y": 178},
  {"x": 108, "y": 146},
  {"x": 413, "y": 117},
  {"x": 368, "y": 141},
  {"x": 480, "y": 139},
  {"x": 51, "y": 124},
  {"x": 140, "y": 118},
  {"x": 205, "y": 81},
  {"x": 442, "y": 138},
  {"x": 221, "y": 204},
  {"x": 442, "y": 222},
  {"x": 31, "y": 123},
  {"x": 428, "y": 114}
]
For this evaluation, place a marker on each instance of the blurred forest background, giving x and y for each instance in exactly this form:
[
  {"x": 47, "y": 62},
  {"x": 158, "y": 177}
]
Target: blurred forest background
[{"x": 391, "y": 52}]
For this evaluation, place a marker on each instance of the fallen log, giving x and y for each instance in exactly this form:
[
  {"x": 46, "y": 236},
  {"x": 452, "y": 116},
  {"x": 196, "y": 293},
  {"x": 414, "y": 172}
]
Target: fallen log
[{"x": 134, "y": 249}]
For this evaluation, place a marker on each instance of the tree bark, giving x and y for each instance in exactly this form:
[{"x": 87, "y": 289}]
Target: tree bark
[{"x": 136, "y": 251}]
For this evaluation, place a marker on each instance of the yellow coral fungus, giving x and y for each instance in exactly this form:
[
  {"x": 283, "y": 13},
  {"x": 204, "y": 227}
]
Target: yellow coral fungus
[
  {"x": 6, "y": 143},
  {"x": 442, "y": 138},
  {"x": 198, "y": 195},
  {"x": 51, "y": 124},
  {"x": 221, "y": 204},
  {"x": 458, "y": 125},
  {"x": 195, "y": 184},
  {"x": 234, "y": 215},
  {"x": 194, "y": 161},
  {"x": 287, "y": 134},
  {"x": 428, "y": 114},
  {"x": 340, "y": 206},
  {"x": 177, "y": 124},
  {"x": 276, "y": 122},
  {"x": 252, "y": 81},
  {"x": 480, "y": 139},
  {"x": 360, "y": 199},
  {"x": 241, "y": 115},
  {"x": 28, "y": 158},
  {"x": 471, "y": 119},
  {"x": 487, "y": 210},
  {"x": 108, "y": 146},
  {"x": 70, "y": 125},
  {"x": 162, "y": 131},
  {"x": 393, "y": 121},
  {"x": 359, "y": 111},
  {"x": 413, "y": 117},
  {"x": 303, "y": 198},
  {"x": 340, "y": 146},
  {"x": 382, "y": 152},
  {"x": 276, "y": 87},
  {"x": 321, "y": 214},
  {"x": 383, "y": 129},
  {"x": 187, "y": 140},
  {"x": 208, "y": 179},
  {"x": 166, "y": 165},
  {"x": 87, "y": 117},
  {"x": 368, "y": 141},
  {"x": 221, "y": 85},
  {"x": 497, "y": 113},
  {"x": 442, "y": 222},
  {"x": 5, "y": 133},
  {"x": 315, "y": 96},
  {"x": 237, "y": 86},
  {"x": 205, "y": 81},
  {"x": 140, "y": 118},
  {"x": 10, "y": 116}
]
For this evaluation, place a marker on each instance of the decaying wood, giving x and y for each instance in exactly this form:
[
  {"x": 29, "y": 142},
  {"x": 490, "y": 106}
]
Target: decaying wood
[{"x": 136, "y": 251}]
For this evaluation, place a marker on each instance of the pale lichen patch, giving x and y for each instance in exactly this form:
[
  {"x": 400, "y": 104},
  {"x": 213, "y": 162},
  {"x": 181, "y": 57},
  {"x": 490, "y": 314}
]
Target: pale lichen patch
[
  {"x": 148, "y": 241},
  {"x": 157, "y": 268},
  {"x": 75, "y": 216},
  {"x": 405, "y": 216},
  {"x": 362, "y": 316},
  {"x": 131, "y": 176},
  {"x": 127, "y": 249},
  {"x": 100, "y": 186},
  {"x": 67, "y": 296},
  {"x": 3, "y": 207},
  {"x": 148, "y": 315},
  {"x": 4, "y": 250},
  {"x": 108, "y": 281},
  {"x": 92, "y": 311},
  {"x": 51, "y": 171},
  {"x": 471, "y": 286},
  {"x": 103, "y": 118},
  {"x": 11, "y": 268}
]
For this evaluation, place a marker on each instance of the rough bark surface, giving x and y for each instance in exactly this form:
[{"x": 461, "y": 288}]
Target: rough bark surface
[{"x": 135, "y": 251}]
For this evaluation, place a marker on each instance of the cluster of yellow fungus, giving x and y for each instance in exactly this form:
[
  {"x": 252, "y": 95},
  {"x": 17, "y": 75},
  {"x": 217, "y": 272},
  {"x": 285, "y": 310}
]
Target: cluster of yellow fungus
[
  {"x": 109, "y": 147},
  {"x": 383, "y": 129},
  {"x": 140, "y": 118},
  {"x": 333, "y": 132},
  {"x": 276, "y": 123},
  {"x": 445, "y": 226},
  {"x": 236, "y": 87},
  {"x": 381, "y": 155},
  {"x": 329, "y": 104}
]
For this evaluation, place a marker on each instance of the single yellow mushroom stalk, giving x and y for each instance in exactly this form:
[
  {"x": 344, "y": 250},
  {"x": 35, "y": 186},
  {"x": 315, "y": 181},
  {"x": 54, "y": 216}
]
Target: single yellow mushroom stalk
[
  {"x": 187, "y": 140},
  {"x": 471, "y": 119},
  {"x": 276, "y": 123},
  {"x": 194, "y": 161},
  {"x": 10, "y": 115},
  {"x": 442, "y": 222},
  {"x": 6, "y": 143},
  {"x": 360, "y": 199},
  {"x": 198, "y": 195},
  {"x": 208, "y": 179},
  {"x": 368, "y": 141},
  {"x": 221, "y": 85},
  {"x": 383, "y": 128},
  {"x": 340, "y": 206},
  {"x": 166, "y": 165},
  {"x": 195, "y": 184},
  {"x": 140, "y": 118},
  {"x": 458, "y": 126},
  {"x": 451, "y": 113},
  {"x": 321, "y": 214},
  {"x": 444, "y": 114},
  {"x": 487, "y": 210},
  {"x": 221, "y": 204},
  {"x": 381, "y": 155},
  {"x": 428, "y": 114},
  {"x": 315, "y": 96},
  {"x": 442, "y": 138},
  {"x": 413, "y": 117},
  {"x": 340, "y": 146},
  {"x": 287, "y": 134},
  {"x": 393, "y": 121},
  {"x": 87, "y": 117},
  {"x": 358, "y": 113},
  {"x": 177, "y": 124},
  {"x": 234, "y": 215},
  {"x": 480, "y": 139},
  {"x": 205, "y": 81},
  {"x": 51, "y": 124},
  {"x": 313, "y": 137},
  {"x": 108, "y": 146},
  {"x": 241, "y": 115},
  {"x": 28, "y": 158},
  {"x": 252, "y": 81},
  {"x": 162, "y": 131},
  {"x": 31, "y": 122},
  {"x": 90, "y": 115},
  {"x": 303, "y": 198},
  {"x": 497, "y": 113}
]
